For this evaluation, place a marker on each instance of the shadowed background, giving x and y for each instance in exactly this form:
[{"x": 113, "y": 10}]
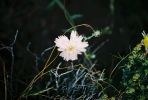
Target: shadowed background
[{"x": 39, "y": 22}]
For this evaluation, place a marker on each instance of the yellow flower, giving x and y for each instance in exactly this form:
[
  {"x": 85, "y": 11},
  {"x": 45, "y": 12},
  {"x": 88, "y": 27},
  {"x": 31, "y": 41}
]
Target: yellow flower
[{"x": 145, "y": 41}]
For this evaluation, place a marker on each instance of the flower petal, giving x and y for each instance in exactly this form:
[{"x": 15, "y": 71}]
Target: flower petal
[{"x": 62, "y": 42}]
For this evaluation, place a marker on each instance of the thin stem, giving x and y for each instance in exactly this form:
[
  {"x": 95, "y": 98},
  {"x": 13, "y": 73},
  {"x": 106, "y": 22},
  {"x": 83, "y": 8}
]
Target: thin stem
[
  {"x": 67, "y": 14},
  {"x": 89, "y": 61},
  {"x": 4, "y": 70},
  {"x": 40, "y": 74},
  {"x": 10, "y": 49},
  {"x": 117, "y": 65}
]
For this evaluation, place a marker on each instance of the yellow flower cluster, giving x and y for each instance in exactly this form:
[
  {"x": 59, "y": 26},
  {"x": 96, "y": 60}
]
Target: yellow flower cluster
[{"x": 145, "y": 41}]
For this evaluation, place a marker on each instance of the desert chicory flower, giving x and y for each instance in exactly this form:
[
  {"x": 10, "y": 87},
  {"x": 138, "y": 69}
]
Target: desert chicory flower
[
  {"x": 71, "y": 48},
  {"x": 145, "y": 41}
]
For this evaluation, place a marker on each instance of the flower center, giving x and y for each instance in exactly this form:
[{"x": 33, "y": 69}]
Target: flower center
[{"x": 70, "y": 48}]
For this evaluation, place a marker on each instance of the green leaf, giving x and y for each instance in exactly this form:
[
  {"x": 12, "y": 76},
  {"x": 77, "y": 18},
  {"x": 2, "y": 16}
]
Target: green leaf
[
  {"x": 76, "y": 16},
  {"x": 50, "y": 5}
]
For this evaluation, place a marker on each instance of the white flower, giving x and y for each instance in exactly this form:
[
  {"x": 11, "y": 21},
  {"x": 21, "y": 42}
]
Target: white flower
[{"x": 70, "y": 48}]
